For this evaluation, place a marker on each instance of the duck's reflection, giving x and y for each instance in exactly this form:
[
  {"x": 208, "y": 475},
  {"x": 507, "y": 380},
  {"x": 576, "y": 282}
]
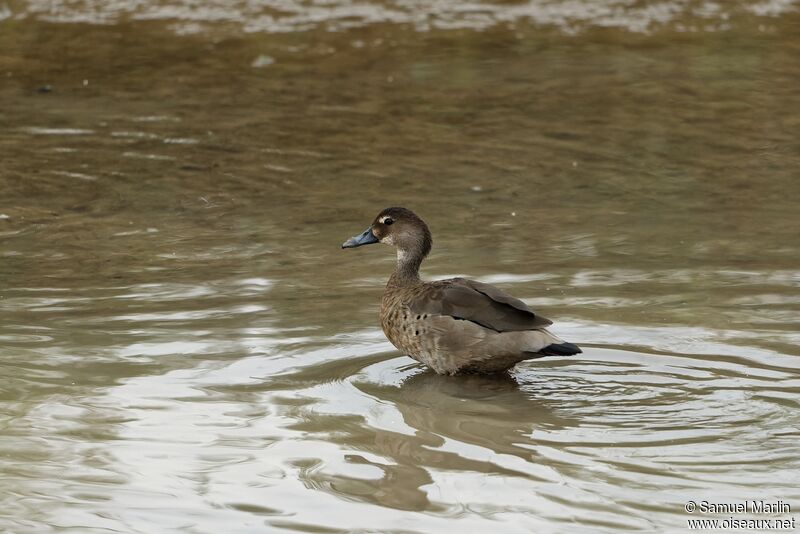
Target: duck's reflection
[
  {"x": 461, "y": 423},
  {"x": 491, "y": 411}
]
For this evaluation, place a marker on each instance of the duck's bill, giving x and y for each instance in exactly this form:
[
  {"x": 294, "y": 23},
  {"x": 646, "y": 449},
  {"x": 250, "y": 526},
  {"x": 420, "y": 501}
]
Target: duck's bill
[{"x": 365, "y": 238}]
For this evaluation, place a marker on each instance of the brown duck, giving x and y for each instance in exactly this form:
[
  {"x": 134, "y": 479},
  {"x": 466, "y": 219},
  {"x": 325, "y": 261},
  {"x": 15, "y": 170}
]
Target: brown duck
[{"x": 456, "y": 325}]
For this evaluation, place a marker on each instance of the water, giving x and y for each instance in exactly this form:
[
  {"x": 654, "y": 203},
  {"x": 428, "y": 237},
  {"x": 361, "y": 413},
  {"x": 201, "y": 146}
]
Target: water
[{"x": 186, "y": 348}]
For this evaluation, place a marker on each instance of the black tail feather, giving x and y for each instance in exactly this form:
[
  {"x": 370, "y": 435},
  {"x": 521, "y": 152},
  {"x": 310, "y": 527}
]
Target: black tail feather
[{"x": 561, "y": 349}]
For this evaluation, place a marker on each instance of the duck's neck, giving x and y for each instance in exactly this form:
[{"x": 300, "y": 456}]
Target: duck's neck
[{"x": 407, "y": 270}]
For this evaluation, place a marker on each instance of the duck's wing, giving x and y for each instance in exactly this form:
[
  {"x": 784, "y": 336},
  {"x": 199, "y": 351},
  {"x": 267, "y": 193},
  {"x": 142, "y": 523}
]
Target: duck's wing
[{"x": 480, "y": 303}]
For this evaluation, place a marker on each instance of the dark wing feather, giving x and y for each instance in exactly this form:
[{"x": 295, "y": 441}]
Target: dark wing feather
[{"x": 480, "y": 303}]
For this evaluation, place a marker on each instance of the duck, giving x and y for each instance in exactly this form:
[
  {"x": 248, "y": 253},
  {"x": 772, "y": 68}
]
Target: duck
[{"x": 454, "y": 326}]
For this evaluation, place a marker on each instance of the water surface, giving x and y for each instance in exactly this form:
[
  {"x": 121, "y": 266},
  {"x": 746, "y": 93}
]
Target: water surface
[{"x": 184, "y": 347}]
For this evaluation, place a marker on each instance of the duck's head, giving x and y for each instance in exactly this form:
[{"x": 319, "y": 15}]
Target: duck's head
[{"x": 399, "y": 227}]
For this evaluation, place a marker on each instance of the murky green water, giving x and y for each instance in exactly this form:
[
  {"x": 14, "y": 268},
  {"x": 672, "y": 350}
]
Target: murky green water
[{"x": 184, "y": 347}]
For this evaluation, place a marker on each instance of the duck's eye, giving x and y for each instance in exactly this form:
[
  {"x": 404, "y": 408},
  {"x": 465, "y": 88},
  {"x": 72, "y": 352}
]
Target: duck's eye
[{"x": 388, "y": 220}]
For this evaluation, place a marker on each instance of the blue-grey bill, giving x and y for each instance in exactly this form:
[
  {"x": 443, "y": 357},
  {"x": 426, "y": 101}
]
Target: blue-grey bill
[{"x": 365, "y": 238}]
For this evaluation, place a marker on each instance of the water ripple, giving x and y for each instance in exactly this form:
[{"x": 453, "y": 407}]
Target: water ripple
[{"x": 278, "y": 16}]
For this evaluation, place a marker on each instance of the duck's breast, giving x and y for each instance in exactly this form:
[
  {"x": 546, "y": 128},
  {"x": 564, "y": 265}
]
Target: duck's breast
[{"x": 413, "y": 333}]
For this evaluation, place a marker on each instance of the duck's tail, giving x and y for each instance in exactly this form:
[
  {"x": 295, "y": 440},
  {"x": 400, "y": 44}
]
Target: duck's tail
[
  {"x": 543, "y": 343},
  {"x": 561, "y": 349}
]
